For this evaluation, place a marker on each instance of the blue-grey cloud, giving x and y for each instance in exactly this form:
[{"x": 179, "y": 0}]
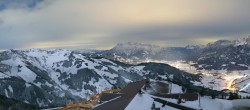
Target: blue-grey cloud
[{"x": 28, "y": 4}]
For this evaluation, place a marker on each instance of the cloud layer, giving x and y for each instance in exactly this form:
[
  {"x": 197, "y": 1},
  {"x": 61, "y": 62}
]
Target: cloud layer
[{"x": 101, "y": 24}]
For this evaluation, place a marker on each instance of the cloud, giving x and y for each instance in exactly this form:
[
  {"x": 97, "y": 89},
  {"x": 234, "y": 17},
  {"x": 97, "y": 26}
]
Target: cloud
[
  {"x": 15, "y": 4},
  {"x": 101, "y": 24}
]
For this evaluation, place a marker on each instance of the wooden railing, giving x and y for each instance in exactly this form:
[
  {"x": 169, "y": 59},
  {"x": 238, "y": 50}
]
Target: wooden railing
[{"x": 87, "y": 105}]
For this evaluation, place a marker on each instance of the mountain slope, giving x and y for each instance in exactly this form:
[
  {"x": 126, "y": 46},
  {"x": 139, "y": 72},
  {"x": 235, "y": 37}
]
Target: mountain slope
[
  {"x": 50, "y": 78},
  {"x": 223, "y": 54}
]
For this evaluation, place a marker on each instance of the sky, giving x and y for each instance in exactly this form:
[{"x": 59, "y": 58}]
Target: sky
[{"x": 101, "y": 24}]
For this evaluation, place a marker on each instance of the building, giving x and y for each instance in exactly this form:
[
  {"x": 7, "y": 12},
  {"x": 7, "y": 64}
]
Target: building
[{"x": 121, "y": 100}]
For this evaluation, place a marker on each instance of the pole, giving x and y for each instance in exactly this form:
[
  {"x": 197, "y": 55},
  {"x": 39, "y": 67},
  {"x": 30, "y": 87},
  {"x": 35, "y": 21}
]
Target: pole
[
  {"x": 199, "y": 101},
  {"x": 171, "y": 88}
]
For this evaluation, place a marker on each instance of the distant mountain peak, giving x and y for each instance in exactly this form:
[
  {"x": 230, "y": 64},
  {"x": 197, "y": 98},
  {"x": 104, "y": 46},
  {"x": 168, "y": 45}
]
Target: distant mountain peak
[{"x": 129, "y": 45}]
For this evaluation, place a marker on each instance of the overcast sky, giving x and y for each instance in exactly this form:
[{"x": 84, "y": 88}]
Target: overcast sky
[{"x": 100, "y": 24}]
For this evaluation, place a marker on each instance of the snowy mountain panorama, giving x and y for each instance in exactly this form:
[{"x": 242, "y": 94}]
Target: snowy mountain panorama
[
  {"x": 48, "y": 78},
  {"x": 219, "y": 55},
  {"x": 222, "y": 64},
  {"x": 124, "y": 55},
  {"x": 53, "y": 77}
]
